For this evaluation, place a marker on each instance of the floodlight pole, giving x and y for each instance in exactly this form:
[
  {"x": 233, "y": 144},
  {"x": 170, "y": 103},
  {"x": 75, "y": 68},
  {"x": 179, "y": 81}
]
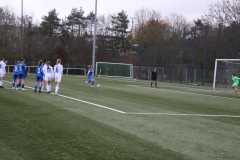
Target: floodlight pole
[
  {"x": 22, "y": 28},
  {"x": 94, "y": 37}
]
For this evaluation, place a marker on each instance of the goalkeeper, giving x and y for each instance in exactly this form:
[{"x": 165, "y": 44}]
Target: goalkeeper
[
  {"x": 154, "y": 77},
  {"x": 235, "y": 83}
]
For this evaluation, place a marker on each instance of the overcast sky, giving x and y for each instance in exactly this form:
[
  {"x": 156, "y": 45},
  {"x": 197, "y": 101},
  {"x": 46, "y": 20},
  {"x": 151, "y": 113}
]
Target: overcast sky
[{"x": 191, "y": 9}]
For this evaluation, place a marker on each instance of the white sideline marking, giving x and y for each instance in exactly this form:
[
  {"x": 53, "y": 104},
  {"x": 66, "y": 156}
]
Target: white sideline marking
[
  {"x": 175, "y": 114},
  {"x": 135, "y": 113},
  {"x": 169, "y": 90},
  {"x": 94, "y": 104}
]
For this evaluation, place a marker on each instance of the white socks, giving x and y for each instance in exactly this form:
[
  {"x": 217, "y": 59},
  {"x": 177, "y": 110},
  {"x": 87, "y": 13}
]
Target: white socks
[
  {"x": 48, "y": 88},
  {"x": 56, "y": 89},
  {"x": 1, "y": 83}
]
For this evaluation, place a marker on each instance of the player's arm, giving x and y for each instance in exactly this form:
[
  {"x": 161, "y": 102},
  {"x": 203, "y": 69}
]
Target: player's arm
[
  {"x": 25, "y": 70},
  {"x": 61, "y": 70}
]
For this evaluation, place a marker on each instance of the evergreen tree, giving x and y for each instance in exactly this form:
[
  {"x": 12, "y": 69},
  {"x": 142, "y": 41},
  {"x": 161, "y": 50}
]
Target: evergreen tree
[
  {"x": 50, "y": 23},
  {"x": 119, "y": 33}
]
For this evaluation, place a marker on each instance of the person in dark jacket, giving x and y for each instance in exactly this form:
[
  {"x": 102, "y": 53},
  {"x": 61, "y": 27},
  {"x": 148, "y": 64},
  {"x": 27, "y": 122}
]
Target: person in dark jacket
[{"x": 154, "y": 77}]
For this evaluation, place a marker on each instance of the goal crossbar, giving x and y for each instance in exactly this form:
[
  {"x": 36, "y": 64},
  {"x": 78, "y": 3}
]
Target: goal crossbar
[{"x": 227, "y": 61}]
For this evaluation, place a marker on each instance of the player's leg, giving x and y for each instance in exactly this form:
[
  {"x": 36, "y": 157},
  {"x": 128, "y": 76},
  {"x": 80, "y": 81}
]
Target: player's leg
[
  {"x": 1, "y": 79},
  {"x": 22, "y": 83},
  {"x": 151, "y": 83},
  {"x": 35, "y": 86},
  {"x": 49, "y": 85},
  {"x": 41, "y": 86},
  {"x": 92, "y": 82},
  {"x": 57, "y": 80},
  {"x": 57, "y": 88},
  {"x": 155, "y": 82},
  {"x": 43, "y": 82},
  {"x": 14, "y": 78},
  {"x": 19, "y": 76},
  {"x": 235, "y": 87}
]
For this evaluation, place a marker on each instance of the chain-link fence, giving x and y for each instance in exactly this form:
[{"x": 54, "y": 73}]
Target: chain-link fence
[{"x": 193, "y": 60}]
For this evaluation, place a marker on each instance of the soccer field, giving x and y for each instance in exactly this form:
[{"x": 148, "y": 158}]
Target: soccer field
[{"x": 122, "y": 120}]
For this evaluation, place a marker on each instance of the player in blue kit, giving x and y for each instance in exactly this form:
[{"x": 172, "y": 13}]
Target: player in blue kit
[
  {"x": 15, "y": 74},
  {"x": 90, "y": 75},
  {"x": 39, "y": 77},
  {"x": 22, "y": 74}
]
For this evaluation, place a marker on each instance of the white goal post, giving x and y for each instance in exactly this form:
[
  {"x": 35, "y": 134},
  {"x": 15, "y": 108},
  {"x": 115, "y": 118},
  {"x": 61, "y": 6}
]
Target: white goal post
[
  {"x": 108, "y": 69},
  {"x": 224, "y": 68}
]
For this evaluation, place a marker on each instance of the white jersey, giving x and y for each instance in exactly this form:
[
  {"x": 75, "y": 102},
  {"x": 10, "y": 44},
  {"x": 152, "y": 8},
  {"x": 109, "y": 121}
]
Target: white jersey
[
  {"x": 58, "y": 72},
  {"x": 48, "y": 73},
  {"x": 2, "y": 69},
  {"x": 44, "y": 67}
]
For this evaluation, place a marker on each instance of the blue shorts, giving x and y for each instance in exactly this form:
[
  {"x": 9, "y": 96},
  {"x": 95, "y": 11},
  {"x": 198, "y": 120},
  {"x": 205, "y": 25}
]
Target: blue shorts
[
  {"x": 39, "y": 78},
  {"x": 21, "y": 76},
  {"x": 14, "y": 77},
  {"x": 90, "y": 78}
]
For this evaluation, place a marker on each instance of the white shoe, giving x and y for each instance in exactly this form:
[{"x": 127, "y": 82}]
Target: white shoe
[
  {"x": 23, "y": 89},
  {"x": 86, "y": 81},
  {"x": 16, "y": 88},
  {"x": 92, "y": 86},
  {"x": 13, "y": 88}
]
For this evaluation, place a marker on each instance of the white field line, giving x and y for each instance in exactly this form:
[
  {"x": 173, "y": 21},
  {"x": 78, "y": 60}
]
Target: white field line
[
  {"x": 94, "y": 104},
  {"x": 135, "y": 113},
  {"x": 199, "y": 94},
  {"x": 173, "y": 114}
]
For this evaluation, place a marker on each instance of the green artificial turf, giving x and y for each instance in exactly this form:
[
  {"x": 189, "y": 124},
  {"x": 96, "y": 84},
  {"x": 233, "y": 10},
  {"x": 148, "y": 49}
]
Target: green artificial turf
[{"x": 123, "y": 119}]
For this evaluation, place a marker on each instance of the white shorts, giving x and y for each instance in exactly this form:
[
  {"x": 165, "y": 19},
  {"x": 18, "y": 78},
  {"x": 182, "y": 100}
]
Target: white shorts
[
  {"x": 2, "y": 73},
  {"x": 47, "y": 78},
  {"x": 58, "y": 77}
]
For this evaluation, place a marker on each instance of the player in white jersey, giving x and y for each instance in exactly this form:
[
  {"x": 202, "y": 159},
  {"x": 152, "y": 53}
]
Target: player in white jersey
[
  {"x": 48, "y": 75},
  {"x": 58, "y": 73},
  {"x": 44, "y": 67},
  {"x": 2, "y": 71}
]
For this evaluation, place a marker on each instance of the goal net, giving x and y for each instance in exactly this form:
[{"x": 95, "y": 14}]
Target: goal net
[
  {"x": 114, "y": 69},
  {"x": 224, "y": 68}
]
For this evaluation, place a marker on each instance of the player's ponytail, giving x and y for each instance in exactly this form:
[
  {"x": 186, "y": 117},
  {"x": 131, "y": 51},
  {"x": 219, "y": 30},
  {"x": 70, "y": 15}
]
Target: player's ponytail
[
  {"x": 48, "y": 64},
  {"x": 58, "y": 61},
  {"x": 40, "y": 63}
]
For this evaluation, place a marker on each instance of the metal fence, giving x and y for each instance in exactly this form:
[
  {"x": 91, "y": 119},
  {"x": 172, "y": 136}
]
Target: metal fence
[{"x": 192, "y": 61}]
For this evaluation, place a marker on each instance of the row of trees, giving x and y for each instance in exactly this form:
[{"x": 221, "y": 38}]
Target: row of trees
[{"x": 119, "y": 37}]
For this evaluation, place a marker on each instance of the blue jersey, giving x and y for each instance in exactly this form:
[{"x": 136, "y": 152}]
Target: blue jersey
[
  {"x": 15, "y": 72},
  {"x": 39, "y": 74},
  {"x": 39, "y": 71},
  {"x": 15, "y": 69},
  {"x": 22, "y": 71},
  {"x": 22, "y": 68},
  {"x": 90, "y": 72}
]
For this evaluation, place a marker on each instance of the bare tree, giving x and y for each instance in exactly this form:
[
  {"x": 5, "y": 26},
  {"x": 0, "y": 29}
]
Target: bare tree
[{"x": 224, "y": 12}]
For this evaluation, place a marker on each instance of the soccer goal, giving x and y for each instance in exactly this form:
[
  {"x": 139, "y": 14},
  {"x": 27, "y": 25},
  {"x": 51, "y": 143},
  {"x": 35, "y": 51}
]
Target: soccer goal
[
  {"x": 224, "y": 68},
  {"x": 107, "y": 69}
]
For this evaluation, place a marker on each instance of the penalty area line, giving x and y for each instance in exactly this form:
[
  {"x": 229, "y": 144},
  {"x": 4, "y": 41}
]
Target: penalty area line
[
  {"x": 94, "y": 104},
  {"x": 175, "y": 114},
  {"x": 79, "y": 100}
]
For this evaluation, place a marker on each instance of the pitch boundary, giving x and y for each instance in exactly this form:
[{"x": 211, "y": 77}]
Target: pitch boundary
[{"x": 138, "y": 113}]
